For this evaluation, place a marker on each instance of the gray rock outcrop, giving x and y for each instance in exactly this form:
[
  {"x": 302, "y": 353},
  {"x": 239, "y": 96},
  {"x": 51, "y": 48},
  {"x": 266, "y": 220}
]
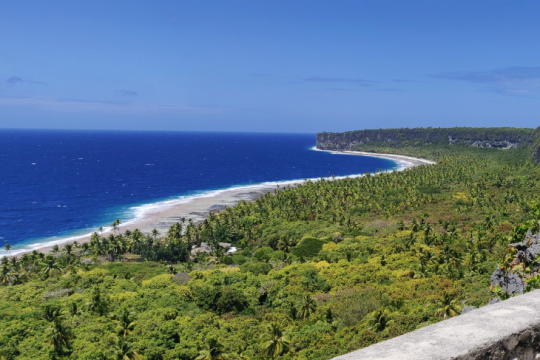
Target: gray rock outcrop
[
  {"x": 527, "y": 251},
  {"x": 511, "y": 283},
  {"x": 467, "y": 309}
]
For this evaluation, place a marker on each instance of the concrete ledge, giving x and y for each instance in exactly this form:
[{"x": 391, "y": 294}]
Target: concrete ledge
[{"x": 507, "y": 330}]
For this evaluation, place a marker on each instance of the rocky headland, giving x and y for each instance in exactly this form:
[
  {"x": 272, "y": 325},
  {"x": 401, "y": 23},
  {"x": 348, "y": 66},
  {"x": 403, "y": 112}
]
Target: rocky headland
[{"x": 502, "y": 138}]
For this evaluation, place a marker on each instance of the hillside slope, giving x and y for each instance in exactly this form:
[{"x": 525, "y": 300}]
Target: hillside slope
[{"x": 324, "y": 268}]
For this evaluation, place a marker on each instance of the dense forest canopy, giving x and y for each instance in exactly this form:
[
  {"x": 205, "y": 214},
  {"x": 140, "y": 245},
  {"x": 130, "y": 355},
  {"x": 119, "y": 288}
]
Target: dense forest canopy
[{"x": 323, "y": 268}]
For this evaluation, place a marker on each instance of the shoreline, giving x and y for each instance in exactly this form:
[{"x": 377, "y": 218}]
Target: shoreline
[
  {"x": 197, "y": 207},
  {"x": 404, "y": 159}
]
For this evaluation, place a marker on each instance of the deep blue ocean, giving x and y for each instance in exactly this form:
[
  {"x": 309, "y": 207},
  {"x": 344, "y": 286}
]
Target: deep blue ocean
[{"x": 60, "y": 183}]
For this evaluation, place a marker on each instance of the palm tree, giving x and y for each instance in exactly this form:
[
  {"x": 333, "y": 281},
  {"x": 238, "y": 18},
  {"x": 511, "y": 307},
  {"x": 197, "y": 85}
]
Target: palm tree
[
  {"x": 489, "y": 222},
  {"x": 137, "y": 235},
  {"x": 242, "y": 352},
  {"x": 4, "y": 275},
  {"x": 448, "y": 307},
  {"x": 124, "y": 351},
  {"x": 68, "y": 249},
  {"x": 175, "y": 231},
  {"x": 116, "y": 223},
  {"x": 49, "y": 264},
  {"x": 428, "y": 229},
  {"x": 51, "y": 313},
  {"x": 116, "y": 247},
  {"x": 155, "y": 233},
  {"x": 97, "y": 303},
  {"x": 285, "y": 243},
  {"x": 380, "y": 320},
  {"x": 101, "y": 247},
  {"x": 59, "y": 336},
  {"x": 103, "y": 354},
  {"x": 292, "y": 309},
  {"x": 8, "y": 248},
  {"x": 452, "y": 231},
  {"x": 85, "y": 247},
  {"x": 8, "y": 276},
  {"x": 275, "y": 342},
  {"x": 213, "y": 350},
  {"x": 414, "y": 226},
  {"x": 9, "y": 351},
  {"x": 409, "y": 241},
  {"x": 307, "y": 307},
  {"x": 126, "y": 323},
  {"x": 73, "y": 309},
  {"x": 94, "y": 238},
  {"x": 26, "y": 259}
]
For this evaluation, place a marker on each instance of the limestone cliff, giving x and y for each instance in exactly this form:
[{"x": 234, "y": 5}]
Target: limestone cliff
[
  {"x": 503, "y": 138},
  {"x": 535, "y": 149}
]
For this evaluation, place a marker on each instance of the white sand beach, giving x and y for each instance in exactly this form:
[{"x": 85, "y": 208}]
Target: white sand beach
[{"x": 161, "y": 216}]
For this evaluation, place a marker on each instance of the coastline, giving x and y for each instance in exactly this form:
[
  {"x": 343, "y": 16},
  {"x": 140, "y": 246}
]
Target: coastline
[
  {"x": 164, "y": 214},
  {"x": 406, "y": 161}
]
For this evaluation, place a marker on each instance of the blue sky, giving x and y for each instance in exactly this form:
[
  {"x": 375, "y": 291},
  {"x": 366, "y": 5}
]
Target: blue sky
[{"x": 279, "y": 66}]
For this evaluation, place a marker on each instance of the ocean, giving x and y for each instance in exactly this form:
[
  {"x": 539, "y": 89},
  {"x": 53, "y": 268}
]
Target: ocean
[{"x": 56, "y": 184}]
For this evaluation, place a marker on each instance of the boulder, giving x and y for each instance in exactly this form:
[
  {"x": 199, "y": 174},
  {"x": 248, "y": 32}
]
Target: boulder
[
  {"x": 527, "y": 251},
  {"x": 533, "y": 251},
  {"x": 521, "y": 256},
  {"x": 511, "y": 282},
  {"x": 519, "y": 246},
  {"x": 494, "y": 301},
  {"x": 467, "y": 309}
]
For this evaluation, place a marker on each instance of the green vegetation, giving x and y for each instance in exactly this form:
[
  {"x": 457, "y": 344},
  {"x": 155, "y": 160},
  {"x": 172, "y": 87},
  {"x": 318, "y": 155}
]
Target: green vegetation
[
  {"x": 308, "y": 248},
  {"x": 325, "y": 268}
]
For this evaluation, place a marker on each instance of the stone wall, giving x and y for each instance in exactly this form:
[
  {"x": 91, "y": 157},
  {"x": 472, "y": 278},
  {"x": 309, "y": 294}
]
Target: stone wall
[{"x": 509, "y": 330}]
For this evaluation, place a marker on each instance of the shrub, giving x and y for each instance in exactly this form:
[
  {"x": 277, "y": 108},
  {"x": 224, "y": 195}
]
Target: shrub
[
  {"x": 221, "y": 299},
  {"x": 158, "y": 282},
  {"x": 227, "y": 260},
  {"x": 278, "y": 255},
  {"x": 181, "y": 278},
  {"x": 93, "y": 277},
  {"x": 263, "y": 254},
  {"x": 230, "y": 300},
  {"x": 354, "y": 306},
  {"x": 308, "y": 248},
  {"x": 429, "y": 189},
  {"x": 205, "y": 295},
  {"x": 238, "y": 259},
  {"x": 256, "y": 268}
]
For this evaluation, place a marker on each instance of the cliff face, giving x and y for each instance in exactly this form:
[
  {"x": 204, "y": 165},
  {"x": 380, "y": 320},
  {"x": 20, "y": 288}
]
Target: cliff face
[
  {"x": 535, "y": 149},
  {"x": 503, "y": 138}
]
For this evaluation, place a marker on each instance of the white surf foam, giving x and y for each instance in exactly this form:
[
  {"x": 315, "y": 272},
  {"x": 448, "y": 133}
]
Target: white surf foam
[{"x": 138, "y": 213}]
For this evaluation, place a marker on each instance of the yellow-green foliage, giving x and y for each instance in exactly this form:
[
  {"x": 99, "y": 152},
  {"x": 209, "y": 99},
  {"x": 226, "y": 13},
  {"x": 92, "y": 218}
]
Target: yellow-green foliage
[{"x": 316, "y": 260}]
